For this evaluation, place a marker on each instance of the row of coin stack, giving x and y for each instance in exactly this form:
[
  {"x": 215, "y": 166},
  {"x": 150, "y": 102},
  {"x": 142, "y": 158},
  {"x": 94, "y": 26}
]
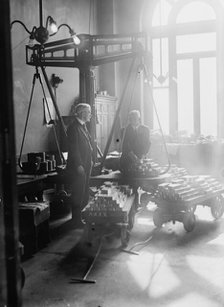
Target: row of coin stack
[
  {"x": 188, "y": 188},
  {"x": 109, "y": 200},
  {"x": 144, "y": 168}
]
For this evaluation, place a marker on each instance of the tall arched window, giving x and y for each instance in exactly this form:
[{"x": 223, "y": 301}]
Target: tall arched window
[
  {"x": 184, "y": 51},
  {"x": 160, "y": 63}
]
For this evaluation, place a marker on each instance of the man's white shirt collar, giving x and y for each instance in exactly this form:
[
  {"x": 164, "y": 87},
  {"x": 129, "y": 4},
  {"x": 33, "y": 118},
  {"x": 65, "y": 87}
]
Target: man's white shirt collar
[
  {"x": 135, "y": 128},
  {"x": 80, "y": 121}
]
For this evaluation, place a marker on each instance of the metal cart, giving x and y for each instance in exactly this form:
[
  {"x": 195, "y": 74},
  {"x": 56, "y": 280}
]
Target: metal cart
[
  {"x": 97, "y": 220},
  {"x": 182, "y": 210}
]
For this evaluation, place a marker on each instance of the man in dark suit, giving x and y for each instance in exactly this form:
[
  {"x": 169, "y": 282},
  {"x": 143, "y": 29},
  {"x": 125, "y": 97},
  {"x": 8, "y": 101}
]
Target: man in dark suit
[
  {"x": 136, "y": 141},
  {"x": 79, "y": 163}
]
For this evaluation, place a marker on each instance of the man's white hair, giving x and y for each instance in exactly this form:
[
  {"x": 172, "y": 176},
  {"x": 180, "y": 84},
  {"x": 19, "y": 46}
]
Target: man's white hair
[
  {"x": 134, "y": 113},
  {"x": 80, "y": 107}
]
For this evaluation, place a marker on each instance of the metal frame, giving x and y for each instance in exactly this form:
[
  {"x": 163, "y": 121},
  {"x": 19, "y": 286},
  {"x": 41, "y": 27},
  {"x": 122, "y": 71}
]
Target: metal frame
[{"x": 94, "y": 50}]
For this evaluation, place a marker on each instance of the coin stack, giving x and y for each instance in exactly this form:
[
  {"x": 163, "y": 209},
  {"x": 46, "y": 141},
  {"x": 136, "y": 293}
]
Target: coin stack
[
  {"x": 109, "y": 200},
  {"x": 144, "y": 168},
  {"x": 188, "y": 188}
]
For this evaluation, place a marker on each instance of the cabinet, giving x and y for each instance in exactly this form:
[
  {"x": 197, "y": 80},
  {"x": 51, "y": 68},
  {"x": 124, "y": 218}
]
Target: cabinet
[{"x": 105, "y": 112}]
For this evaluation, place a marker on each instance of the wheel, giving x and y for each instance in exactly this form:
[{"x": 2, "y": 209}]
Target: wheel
[
  {"x": 131, "y": 219},
  {"x": 136, "y": 204},
  {"x": 189, "y": 221},
  {"x": 217, "y": 207},
  {"x": 125, "y": 236},
  {"x": 62, "y": 193},
  {"x": 157, "y": 218},
  {"x": 144, "y": 199}
]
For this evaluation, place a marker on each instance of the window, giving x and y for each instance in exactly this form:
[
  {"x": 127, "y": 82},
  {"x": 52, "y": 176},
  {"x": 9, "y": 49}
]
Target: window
[
  {"x": 160, "y": 62},
  {"x": 191, "y": 38},
  {"x": 195, "y": 11},
  {"x": 185, "y": 96},
  {"x": 161, "y": 13},
  {"x": 161, "y": 98},
  {"x": 196, "y": 42},
  {"x": 208, "y": 105}
]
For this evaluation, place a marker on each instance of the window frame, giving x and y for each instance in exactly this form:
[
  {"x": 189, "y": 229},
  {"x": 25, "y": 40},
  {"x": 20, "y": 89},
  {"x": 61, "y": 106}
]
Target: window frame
[{"x": 170, "y": 31}]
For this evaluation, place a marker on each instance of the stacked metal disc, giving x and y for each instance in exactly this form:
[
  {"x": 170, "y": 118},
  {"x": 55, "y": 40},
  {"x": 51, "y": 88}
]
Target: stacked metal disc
[
  {"x": 109, "y": 200},
  {"x": 188, "y": 188},
  {"x": 144, "y": 168}
]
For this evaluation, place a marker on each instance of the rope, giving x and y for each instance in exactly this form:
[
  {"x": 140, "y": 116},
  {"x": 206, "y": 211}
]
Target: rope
[
  {"x": 157, "y": 116},
  {"x": 141, "y": 243},
  {"x": 54, "y": 130},
  {"x": 129, "y": 106},
  {"x": 20, "y": 43},
  {"x": 26, "y": 122},
  {"x": 84, "y": 279},
  {"x": 94, "y": 260},
  {"x": 37, "y": 76},
  {"x": 55, "y": 133},
  {"x": 117, "y": 114}
]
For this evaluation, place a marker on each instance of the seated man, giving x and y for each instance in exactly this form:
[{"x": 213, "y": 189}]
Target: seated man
[{"x": 136, "y": 141}]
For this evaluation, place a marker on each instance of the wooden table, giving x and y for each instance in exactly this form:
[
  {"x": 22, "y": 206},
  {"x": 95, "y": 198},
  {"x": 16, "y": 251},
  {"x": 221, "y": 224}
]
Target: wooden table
[
  {"x": 117, "y": 176},
  {"x": 32, "y": 186}
]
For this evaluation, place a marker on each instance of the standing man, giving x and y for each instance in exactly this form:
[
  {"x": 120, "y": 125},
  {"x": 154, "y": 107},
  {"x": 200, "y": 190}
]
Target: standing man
[
  {"x": 136, "y": 141},
  {"x": 79, "y": 163}
]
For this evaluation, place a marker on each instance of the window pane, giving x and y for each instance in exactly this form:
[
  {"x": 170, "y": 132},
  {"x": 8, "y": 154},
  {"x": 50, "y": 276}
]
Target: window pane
[
  {"x": 196, "y": 11},
  {"x": 185, "y": 96},
  {"x": 161, "y": 99},
  {"x": 208, "y": 101},
  {"x": 160, "y": 16},
  {"x": 196, "y": 42},
  {"x": 160, "y": 62}
]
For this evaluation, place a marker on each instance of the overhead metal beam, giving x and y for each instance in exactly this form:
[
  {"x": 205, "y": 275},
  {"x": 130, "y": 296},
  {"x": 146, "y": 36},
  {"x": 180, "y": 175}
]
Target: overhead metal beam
[{"x": 94, "y": 50}]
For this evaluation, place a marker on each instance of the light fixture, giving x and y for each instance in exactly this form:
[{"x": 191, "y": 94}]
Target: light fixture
[
  {"x": 52, "y": 24},
  {"x": 161, "y": 78},
  {"x": 75, "y": 38},
  {"x": 41, "y": 34}
]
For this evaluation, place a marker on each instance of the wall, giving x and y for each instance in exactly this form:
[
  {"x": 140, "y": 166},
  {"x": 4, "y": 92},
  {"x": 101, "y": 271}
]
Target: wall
[
  {"x": 76, "y": 13},
  {"x": 85, "y": 16},
  {"x": 127, "y": 20},
  {"x": 105, "y": 25}
]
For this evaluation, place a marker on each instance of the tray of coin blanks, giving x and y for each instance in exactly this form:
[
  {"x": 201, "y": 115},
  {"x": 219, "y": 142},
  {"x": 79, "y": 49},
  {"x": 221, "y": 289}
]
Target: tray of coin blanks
[{"x": 111, "y": 204}]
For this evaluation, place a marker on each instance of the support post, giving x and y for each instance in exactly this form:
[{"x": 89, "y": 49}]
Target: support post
[
  {"x": 11, "y": 277},
  {"x": 54, "y": 100},
  {"x": 87, "y": 95},
  {"x": 41, "y": 13}
]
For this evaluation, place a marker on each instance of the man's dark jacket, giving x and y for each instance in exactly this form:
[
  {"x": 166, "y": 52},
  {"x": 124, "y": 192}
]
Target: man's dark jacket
[
  {"x": 136, "y": 141},
  {"x": 79, "y": 148}
]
